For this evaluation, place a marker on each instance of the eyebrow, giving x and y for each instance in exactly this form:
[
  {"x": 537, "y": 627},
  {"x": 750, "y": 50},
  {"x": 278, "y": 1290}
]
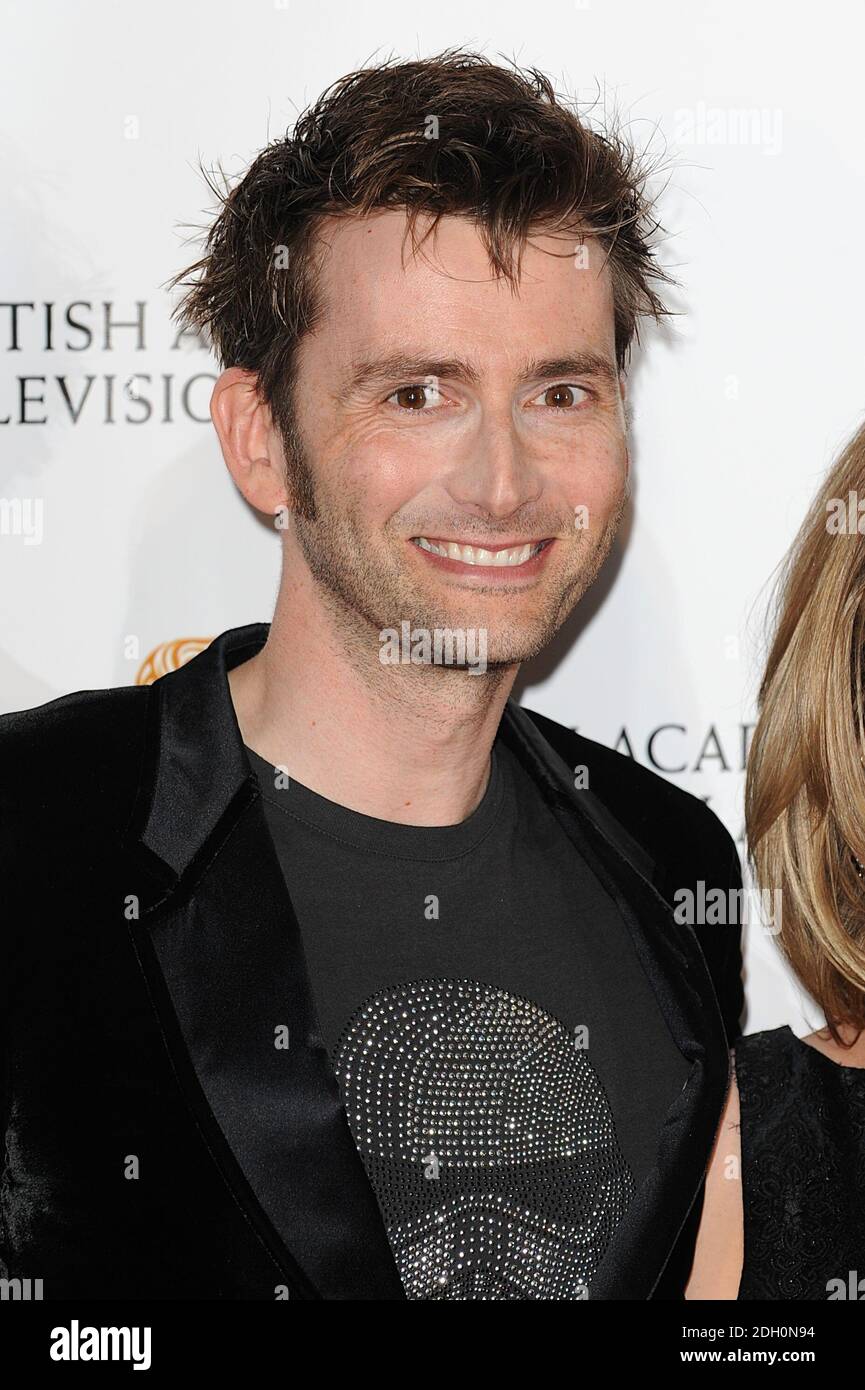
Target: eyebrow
[{"x": 379, "y": 371}]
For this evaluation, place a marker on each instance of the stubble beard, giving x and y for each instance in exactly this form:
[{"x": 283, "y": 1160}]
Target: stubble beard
[{"x": 366, "y": 597}]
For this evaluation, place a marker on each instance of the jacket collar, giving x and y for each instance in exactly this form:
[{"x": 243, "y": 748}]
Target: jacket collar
[
  {"x": 196, "y": 759},
  {"x": 199, "y": 835},
  {"x": 184, "y": 794}
]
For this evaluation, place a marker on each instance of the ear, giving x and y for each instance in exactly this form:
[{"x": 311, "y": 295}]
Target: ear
[{"x": 250, "y": 443}]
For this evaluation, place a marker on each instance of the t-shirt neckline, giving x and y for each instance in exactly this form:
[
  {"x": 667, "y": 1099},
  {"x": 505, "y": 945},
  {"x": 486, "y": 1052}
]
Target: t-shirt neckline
[{"x": 432, "y": 842}]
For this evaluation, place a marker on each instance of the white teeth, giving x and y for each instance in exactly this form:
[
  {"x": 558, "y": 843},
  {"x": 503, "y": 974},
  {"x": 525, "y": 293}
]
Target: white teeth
[{"x": 475, "y": 555}]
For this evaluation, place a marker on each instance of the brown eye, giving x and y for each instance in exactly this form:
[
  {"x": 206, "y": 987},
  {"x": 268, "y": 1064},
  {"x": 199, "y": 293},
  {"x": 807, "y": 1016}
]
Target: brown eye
[
  {"x": 559, "y": 396},
  {"x": 411, "y": 397},
  {"x": 565, "y": 395}
]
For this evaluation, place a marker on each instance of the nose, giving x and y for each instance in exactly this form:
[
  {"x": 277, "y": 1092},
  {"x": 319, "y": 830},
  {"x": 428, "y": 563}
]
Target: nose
[{"x": 493, "y": 472}]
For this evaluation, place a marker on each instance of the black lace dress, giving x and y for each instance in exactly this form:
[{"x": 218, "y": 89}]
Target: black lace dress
[{"x": 803, "y": 1170}]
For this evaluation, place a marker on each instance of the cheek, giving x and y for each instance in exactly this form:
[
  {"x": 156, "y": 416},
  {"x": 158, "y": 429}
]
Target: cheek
[
  {"x": 372, "y": 479},
  {"x": 595, "y": 474}
]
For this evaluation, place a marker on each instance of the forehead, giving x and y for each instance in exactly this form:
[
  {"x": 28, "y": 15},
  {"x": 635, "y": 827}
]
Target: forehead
[{"x": 377, "y": 290}]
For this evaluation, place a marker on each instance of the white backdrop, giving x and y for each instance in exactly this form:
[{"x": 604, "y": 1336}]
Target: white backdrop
[{"x": 118, "y": 537}]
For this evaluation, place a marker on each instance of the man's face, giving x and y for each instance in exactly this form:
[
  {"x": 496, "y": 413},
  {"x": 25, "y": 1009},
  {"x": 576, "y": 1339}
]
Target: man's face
[{"x": 436, "y": 408}]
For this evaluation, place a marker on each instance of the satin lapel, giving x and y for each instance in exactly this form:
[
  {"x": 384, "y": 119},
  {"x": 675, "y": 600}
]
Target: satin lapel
[
  {"x": 672, "y": 959},
  {"x": 220, "y": 945}
]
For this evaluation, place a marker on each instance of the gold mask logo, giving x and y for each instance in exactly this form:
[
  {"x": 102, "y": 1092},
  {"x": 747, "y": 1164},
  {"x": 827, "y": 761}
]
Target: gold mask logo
[{"x": 169, "y": 656}]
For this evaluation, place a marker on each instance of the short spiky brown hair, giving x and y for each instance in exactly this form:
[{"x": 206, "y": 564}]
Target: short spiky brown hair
[{"x": 506, "y": 151}]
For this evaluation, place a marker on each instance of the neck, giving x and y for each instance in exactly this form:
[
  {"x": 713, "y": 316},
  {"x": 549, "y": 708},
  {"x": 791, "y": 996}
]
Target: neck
[{"x": 403, "y": 743}]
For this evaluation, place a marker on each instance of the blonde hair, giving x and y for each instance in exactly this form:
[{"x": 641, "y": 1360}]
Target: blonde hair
[{"x": 805, "y": 789}]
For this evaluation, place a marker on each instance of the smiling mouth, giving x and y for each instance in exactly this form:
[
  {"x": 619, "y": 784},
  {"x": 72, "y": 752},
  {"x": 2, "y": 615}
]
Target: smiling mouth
[{"x": 476, "y": 555}]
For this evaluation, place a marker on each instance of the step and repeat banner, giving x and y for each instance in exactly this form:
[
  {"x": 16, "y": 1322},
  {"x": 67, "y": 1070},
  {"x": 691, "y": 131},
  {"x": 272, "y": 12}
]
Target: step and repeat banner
[{"x": 124, "y": 546}]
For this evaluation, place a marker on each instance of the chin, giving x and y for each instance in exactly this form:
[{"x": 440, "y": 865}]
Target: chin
[
  {"x": 514, "y": 653},
  {"x": 513, "y": 645}
]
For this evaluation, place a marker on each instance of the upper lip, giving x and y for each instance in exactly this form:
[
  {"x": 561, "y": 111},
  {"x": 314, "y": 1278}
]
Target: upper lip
[{"x": 492, "y": 546}]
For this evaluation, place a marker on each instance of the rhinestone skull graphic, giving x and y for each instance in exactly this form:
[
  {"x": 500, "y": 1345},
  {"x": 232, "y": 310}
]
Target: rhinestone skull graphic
[{"x": 487, "y": 1138}]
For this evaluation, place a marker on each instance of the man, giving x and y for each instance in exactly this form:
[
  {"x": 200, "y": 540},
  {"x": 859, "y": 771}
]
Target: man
[{"x": 332, "y": 973}]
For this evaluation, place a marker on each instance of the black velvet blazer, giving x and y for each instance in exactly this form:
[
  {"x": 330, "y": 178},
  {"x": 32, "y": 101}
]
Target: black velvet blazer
[{"x": 157, "y": 1144}]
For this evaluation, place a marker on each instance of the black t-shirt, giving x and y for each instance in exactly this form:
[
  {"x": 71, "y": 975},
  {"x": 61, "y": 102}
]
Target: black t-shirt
[{"x": 502, "y": 1059}]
